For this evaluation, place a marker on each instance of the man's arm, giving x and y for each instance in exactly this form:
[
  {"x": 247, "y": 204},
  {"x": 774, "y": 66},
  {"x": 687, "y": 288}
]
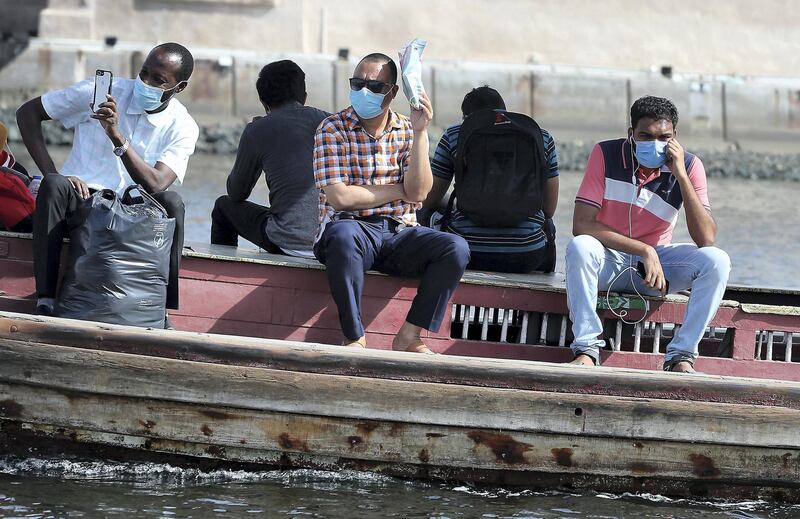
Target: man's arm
[
  {"x": 418, "y": 179},
  {"x": 29, "y": 120},
  {"x": 584, "y": 221},
  {"x": 551, "y": 197},
  {"x": 331, "y": 175},
  {"x": 702, "y": 227},
  {"x": 246, "y": 170},
  {"x": 443, "y": 169},
  {"x": 435, "y": 198},
  {"x": 152, "y": 178},
  {"x": 344, "y": 197}
]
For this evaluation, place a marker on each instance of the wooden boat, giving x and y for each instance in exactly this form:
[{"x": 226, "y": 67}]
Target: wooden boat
[{"x": 249, "y": 383}]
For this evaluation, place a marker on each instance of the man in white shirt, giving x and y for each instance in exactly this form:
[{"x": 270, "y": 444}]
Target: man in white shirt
[{"x": 140, "y": 135}]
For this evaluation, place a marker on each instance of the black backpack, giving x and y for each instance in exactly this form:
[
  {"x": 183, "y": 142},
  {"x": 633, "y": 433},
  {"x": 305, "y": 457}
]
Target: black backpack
[{"x": 501, "y": 169}]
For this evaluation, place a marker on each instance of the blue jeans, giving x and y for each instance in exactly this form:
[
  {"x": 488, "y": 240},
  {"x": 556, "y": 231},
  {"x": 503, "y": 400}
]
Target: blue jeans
[{"x": 591, "y": 268}]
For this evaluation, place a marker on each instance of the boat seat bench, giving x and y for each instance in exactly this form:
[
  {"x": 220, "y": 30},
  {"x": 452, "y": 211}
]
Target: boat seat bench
[{"x": 240, "y": 291}]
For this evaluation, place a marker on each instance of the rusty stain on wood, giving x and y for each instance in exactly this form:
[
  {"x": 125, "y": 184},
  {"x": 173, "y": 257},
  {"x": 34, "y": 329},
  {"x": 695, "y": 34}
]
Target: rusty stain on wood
[
  {"x": 206, "y": 430},
  {"x": 504, "y": 447},
  {"x": 355, "y": 441},
  {"x": 217, "y": 415},
  {"x": 10, "y": 408},
  {"x": 396, "y": 430},
  {"x": 288, "y": 442},
  {"x": 366, "y": 428},
  {"x": 703, "y": 466},
  {"x": 148, "y": 424},
  {"x": 562, "y": 456}
]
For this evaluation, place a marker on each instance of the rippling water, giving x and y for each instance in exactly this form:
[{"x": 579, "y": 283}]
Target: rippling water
[
  {"x": 756, "y": 219},
  {"x": 757, "y": 226},
  {"x": 57, "y": 488}
]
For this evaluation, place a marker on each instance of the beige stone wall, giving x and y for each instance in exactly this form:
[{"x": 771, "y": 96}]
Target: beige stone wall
[{"x": 746, "y": 37}]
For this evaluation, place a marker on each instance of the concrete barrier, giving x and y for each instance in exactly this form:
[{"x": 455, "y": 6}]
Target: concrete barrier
[{"x": 585, "y": 103}]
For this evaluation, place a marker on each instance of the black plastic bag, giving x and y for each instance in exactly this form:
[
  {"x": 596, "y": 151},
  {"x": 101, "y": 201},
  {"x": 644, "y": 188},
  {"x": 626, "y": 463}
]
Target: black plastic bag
[{"x": 119, "y": 260}]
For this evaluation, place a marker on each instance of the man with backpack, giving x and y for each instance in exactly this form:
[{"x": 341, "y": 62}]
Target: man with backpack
[
  {"x": 625, "y": 212},
  {"x": 506, "y": 189}
]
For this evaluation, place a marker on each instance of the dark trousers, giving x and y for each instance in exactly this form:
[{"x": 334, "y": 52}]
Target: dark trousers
[
  {"x": 542, "y": 260},
  {"x": 230, "y": 219},
  {"x": 349, "y": 248},
  {"x": 55, "y": 215}
]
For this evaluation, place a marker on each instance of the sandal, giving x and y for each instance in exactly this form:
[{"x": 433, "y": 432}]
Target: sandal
[
  {"x": 594, "y": 362},
  {"x": 361, "y": 342},
  {"x": 669, "y": 366}
]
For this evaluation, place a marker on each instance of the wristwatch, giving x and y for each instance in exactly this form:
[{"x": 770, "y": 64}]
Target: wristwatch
[{"x": 120, "y": 150}]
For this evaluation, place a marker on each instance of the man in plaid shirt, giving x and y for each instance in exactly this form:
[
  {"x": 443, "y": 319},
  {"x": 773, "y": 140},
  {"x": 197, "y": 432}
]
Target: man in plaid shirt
[{"x": 372, "y": 179}]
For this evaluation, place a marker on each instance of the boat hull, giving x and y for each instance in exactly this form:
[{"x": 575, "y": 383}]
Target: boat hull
[{"x": 288, "y": 404}]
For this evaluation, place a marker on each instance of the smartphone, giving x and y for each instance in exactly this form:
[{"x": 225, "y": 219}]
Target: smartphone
[
  {"x": 643, "y": 274},
  {"x": 102, "y": 87}
]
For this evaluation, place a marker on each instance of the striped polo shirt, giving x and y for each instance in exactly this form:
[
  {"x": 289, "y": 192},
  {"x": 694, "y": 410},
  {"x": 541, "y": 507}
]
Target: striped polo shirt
[
  {"x": 526, "y": 236},
  {"x": 653, "y": 199}
]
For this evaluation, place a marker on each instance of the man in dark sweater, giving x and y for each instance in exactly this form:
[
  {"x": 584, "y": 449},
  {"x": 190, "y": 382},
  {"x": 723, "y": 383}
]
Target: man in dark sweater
[{"x": 281, "y": 146}]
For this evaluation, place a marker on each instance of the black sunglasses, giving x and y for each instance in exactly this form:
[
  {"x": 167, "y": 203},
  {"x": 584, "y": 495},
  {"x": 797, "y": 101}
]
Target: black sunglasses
[{"x": 373, "y": 85}]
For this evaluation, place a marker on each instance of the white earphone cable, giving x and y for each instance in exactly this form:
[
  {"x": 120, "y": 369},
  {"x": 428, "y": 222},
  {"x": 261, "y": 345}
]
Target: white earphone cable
[{"x": 630, "y": 268}]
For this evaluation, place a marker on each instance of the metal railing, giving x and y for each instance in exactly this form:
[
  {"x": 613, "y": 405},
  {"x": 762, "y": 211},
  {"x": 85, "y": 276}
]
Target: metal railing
[{"x": 504, "y": 325}]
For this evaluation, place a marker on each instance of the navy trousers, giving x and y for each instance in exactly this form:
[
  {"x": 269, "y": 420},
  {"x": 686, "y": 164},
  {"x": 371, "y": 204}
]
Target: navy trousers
[{"x": 349, "y": 248}]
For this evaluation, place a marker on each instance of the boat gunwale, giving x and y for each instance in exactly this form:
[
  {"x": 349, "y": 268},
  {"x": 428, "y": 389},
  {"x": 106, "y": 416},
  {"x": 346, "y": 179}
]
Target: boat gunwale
[{"x": 307, "y": 357}]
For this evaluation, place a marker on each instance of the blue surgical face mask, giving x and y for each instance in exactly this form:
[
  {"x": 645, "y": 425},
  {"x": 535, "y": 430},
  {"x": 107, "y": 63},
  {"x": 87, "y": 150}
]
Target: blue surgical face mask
[
  {"x": 147, "y": 98},
  {"x": 366, "y": 104},
  {"x": 651, "y": 154}
]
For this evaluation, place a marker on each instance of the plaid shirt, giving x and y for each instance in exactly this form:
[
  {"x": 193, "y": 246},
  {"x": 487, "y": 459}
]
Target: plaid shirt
[{"x": 344, "y": 153}]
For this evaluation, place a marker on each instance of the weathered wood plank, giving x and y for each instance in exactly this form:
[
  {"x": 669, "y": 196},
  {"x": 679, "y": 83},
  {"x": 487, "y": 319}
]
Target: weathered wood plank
[
  {"x": 315, "y": 358},
  {"x": 226, "y": 433},
  {"x": 115, "y": 374}
]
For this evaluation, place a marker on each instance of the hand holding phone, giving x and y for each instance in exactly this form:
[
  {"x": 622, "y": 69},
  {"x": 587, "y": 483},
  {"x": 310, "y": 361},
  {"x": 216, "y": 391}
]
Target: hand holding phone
[
  {"x": 102, "y": 87},
  {"x": 643, "y": 274}
]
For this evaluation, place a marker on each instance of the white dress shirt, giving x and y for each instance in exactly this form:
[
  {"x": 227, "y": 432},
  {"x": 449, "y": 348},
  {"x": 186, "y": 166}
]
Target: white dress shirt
[{"x": 168, "y": 136}]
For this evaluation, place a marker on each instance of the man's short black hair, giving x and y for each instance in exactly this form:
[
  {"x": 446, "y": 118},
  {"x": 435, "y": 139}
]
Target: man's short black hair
[
  {"x": 482, "y": 98},
  {"x": 183, "y": 54},
  {"x": 652, "y": 107},
  {"x": 377, "y": 57},
  {"x": 281, "y": 82}
]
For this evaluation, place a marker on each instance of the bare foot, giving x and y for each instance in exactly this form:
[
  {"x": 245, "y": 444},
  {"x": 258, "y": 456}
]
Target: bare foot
[
  {"x": 583, "y": 360},
  {"x": 361, "y": 342},
  {"x": 683, "y": 367},
  {"x": 408, "y": 339}
]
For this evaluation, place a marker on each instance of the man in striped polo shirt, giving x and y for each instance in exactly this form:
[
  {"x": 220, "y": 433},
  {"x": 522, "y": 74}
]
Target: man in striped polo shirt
[
  {"x": 625, "y": 212},
  {"x": 371, "y": 166},
  {"x": 525, "y": 247}
]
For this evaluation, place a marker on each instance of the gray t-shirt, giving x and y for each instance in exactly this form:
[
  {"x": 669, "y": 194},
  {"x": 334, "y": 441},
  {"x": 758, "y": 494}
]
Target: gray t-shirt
[{"x": 281, "y": 144}]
